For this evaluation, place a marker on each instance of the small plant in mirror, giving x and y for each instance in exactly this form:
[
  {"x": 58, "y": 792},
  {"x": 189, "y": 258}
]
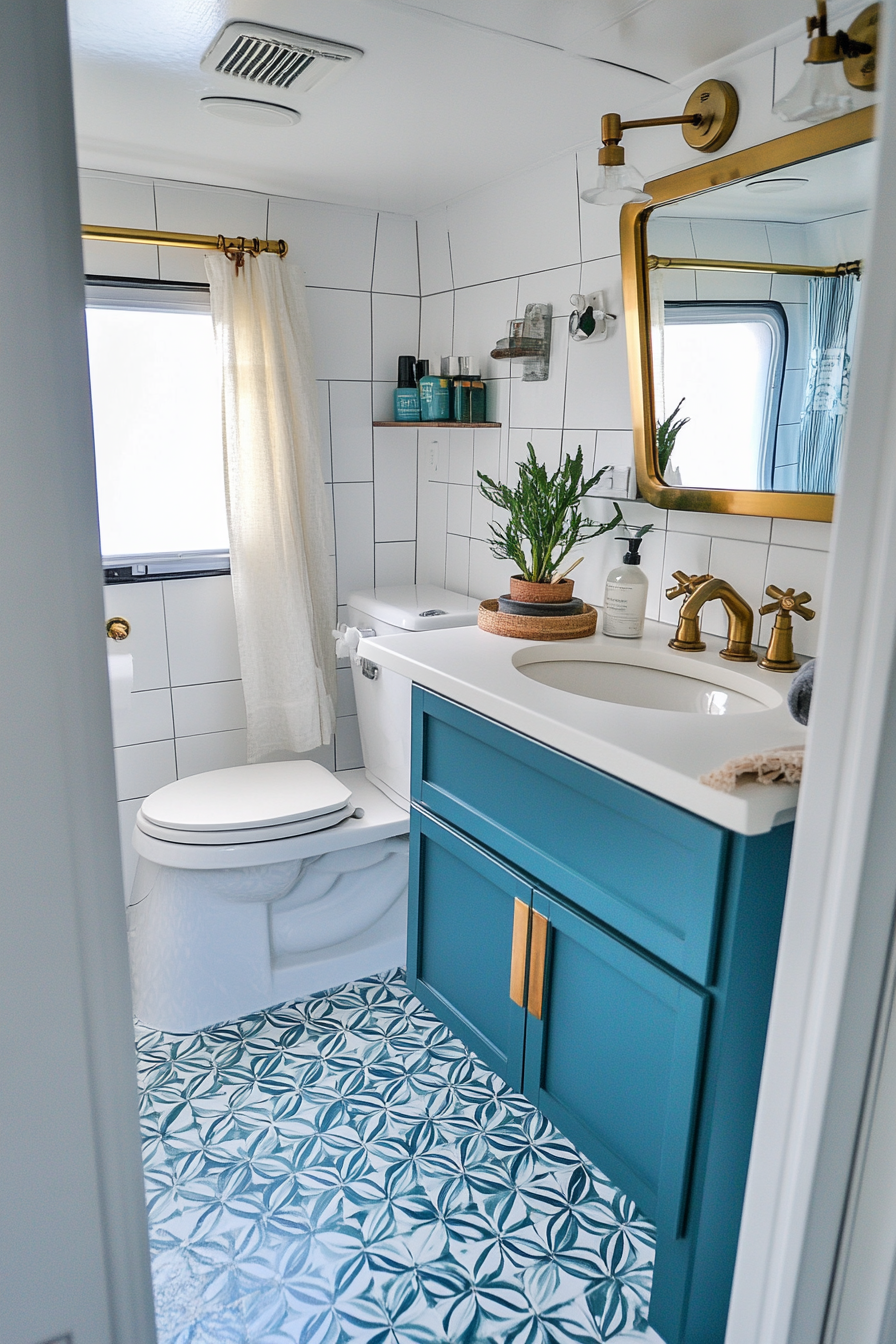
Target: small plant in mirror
[
  {"x": 667, "y": 431},
  {"x": 544, "y": 519}
]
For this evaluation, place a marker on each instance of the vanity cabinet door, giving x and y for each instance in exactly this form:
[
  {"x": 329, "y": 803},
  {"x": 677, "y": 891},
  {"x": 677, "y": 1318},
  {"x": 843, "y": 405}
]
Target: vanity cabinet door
[
  {"x": 614, "y": 1048},
  {"x": 468, "y": 923}
]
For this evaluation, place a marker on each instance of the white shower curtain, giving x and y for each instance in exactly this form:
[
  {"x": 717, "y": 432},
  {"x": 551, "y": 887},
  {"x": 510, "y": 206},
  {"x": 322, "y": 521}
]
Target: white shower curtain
[{"x": 284, "y": 583}]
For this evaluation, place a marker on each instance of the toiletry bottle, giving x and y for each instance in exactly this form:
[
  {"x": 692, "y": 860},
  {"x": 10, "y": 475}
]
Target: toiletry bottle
[
  {"x": 625, "y": 597},
  {"x": 407, "y": 397},
  {"x": 435, "y": 399},
  {"x": 469, "y": 393}
]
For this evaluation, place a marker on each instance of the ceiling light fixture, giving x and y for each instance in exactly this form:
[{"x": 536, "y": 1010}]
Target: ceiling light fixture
[
  {"x": 709, "y": 117},
  {"x": 768, "y": 186},
  {"x": 251, "y": 110},
  {"x": 836, "y": 65}
]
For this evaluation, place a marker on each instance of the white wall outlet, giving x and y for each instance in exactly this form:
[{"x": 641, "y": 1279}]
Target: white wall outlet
[
  {"x": 434, "y": 447},
  {"x": 617, "y": 483}
]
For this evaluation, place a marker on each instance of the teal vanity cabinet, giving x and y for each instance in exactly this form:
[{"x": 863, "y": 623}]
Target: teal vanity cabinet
[{"x": 611, "y": 956}]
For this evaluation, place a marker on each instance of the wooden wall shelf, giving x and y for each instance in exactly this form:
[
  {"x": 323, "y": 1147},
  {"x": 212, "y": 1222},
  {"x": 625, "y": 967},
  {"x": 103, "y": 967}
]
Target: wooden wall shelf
[{"x": 437, "y": 424}]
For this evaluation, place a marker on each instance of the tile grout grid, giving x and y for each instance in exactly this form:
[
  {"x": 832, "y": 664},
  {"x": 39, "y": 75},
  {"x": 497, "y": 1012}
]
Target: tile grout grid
[{"x": 344, "y": 1169}]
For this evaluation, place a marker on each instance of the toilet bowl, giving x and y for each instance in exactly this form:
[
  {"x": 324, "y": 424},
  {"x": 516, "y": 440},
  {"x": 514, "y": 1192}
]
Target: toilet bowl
[{"x": 263, "y": 883}]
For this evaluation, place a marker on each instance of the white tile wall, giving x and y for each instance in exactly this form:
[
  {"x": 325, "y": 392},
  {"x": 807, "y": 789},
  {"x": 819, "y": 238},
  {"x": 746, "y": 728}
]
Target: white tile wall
[
  {"x": 396, "y": 331},
  {"x": 202, "y": 644},
  {"x": 340, "y": 329},
  {"x": 396, "y": 270},
  {"x": 210, "y": 751},
  {"x": 129, "y": 203},
  {"x": 212, "y": 210},
  {"x": 333, "y": 245},
  {"x": 214, "y": 707},
  {"x": 529, "y": 239},
  {"x": 351, "y": 435},
  {"x": 353, "y": 506},
  {"x": 395, "y": 491}
]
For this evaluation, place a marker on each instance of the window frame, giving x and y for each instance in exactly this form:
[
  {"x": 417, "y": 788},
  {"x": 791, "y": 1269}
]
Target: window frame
[
  {"x": 682, "y": 312},
  {"x": 120, "y": 291}
]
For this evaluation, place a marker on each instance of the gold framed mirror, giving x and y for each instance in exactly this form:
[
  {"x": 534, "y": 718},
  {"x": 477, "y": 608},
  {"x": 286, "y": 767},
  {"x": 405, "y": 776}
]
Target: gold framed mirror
[{"x": 734, "y": 332}]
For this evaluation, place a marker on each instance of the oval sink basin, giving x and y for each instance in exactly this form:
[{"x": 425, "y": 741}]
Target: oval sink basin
[{"x": 695, "y": 690}]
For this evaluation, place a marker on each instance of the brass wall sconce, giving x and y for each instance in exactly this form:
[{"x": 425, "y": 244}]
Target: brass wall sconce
[
  {"x": 836, "y": 64},
  {"x": 709, "y": 117}
]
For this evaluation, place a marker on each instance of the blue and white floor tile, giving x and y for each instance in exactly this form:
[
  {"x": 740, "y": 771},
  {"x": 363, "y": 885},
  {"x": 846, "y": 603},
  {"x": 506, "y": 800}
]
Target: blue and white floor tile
[{"x": 343, "y": 1169}]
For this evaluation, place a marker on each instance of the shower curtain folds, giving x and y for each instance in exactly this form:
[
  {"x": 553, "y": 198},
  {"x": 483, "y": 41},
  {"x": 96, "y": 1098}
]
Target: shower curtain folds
[
  {"x": 284, "y": 584},
  {"x": 827, "y": 383}
]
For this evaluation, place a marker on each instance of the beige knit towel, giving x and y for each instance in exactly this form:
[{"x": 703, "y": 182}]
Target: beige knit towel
[{"x": 778, "y": 765}]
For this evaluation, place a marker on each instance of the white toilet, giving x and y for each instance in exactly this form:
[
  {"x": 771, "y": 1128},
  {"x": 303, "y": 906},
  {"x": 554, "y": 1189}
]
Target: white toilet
[{"x": 264, "y": 883}]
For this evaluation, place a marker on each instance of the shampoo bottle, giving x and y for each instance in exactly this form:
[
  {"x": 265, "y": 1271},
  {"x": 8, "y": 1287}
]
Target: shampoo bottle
[
  {"x": 407, "y": 397},
  {"x": 625, "y": 598}
]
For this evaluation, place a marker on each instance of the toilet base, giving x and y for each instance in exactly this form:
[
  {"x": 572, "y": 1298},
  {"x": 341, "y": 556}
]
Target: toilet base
[{"x": 379, "y": 948}]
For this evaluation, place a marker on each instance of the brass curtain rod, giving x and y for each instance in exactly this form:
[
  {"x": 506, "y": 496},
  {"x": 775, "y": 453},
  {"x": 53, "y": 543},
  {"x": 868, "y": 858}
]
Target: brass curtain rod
[
  {"x": 207, "y": 242},
  {"x": 768, "y": 267}
]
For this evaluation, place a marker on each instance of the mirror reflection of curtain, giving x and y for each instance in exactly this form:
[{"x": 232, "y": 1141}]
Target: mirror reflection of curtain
[
  {"x": 657, "y": 342},
  {"x": 827, "y": 383}
]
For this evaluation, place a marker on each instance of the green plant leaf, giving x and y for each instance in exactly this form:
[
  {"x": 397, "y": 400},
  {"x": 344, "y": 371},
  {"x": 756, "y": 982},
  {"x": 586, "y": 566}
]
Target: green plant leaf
[
  {"x": 544, "y": 520},
  {"x": 667, "y": 432}
]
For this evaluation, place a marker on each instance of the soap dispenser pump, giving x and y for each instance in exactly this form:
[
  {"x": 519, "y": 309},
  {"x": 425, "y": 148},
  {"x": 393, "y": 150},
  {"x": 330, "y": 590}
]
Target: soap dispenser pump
[{"x": 625, "y": 596}]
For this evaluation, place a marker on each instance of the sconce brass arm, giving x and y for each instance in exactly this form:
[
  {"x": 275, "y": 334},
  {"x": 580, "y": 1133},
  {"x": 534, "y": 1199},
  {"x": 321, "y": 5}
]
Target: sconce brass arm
[{"x": 739, "y": 648}]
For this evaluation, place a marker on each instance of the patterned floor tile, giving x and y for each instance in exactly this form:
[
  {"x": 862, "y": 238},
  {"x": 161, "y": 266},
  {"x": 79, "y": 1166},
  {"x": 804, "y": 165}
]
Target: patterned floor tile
[{"x": 343, "y": 1169}]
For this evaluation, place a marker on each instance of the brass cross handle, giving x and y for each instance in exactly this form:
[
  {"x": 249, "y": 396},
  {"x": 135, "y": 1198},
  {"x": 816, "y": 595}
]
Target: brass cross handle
[
  {"x": 779, "y": 656},
  {"x": 786, "y": 602},
  {"x": 687, "y": 584}
]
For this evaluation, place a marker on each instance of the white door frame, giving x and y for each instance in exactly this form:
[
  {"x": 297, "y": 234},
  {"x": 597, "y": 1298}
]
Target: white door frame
[
  {"x": 838, "y": 918},
  {"x": 74, "y": 1247}
]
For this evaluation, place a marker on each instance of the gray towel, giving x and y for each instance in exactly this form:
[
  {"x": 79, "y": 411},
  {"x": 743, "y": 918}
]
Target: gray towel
[{"x": 799, "y": 697}]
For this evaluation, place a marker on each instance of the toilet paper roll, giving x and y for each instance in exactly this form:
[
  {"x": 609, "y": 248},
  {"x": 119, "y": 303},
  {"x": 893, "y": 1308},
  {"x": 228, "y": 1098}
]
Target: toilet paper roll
[{"x": 121, "y": 678}]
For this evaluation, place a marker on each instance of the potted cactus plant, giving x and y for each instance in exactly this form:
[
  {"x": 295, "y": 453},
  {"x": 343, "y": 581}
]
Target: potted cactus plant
[{"x": 544, "y": 523}]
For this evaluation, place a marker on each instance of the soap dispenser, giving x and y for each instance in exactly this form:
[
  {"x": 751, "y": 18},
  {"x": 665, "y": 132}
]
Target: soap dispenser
[{"x": 625, "y": 596}]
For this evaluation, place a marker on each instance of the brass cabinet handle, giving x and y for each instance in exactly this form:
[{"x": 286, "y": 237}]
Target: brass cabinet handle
[
  {"x": 537, "y": 954},
  {"x": 518, "y": 951},
  {"x": 117, "y": 627}
]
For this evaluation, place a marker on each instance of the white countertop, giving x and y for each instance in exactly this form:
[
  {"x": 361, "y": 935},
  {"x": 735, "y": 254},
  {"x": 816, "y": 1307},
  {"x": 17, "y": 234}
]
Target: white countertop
[{"x": 663, "y": 752}]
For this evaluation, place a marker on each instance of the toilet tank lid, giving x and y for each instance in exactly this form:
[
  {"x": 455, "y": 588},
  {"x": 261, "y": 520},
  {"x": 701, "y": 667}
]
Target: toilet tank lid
[
  {"x": 247, "y": 796},
  {"x": 416, "y": 606}
]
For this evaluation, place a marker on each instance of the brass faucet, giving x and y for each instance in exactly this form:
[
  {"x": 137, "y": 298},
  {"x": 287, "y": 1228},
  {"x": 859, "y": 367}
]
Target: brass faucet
[
  {"x": 740, "y": 622},
  {"x": 687, "y": 584}
]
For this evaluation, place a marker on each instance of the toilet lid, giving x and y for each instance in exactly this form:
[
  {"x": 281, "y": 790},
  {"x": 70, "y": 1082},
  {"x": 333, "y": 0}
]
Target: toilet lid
[{"x": 247, "y": 797}]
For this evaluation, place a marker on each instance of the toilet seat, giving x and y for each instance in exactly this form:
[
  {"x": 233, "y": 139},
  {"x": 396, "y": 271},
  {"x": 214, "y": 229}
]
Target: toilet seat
[{"x": 246, "y": 804}]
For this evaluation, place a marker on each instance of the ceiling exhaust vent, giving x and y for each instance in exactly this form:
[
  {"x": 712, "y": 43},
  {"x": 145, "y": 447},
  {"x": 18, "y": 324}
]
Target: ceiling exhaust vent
[{"x": 275, "y": 57}]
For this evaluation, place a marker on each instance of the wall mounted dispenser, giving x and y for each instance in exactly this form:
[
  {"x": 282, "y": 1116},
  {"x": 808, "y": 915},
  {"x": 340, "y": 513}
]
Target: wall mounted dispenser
[
  {"x": 530, "y": 341},
  {"x": 589, "y": 320}
]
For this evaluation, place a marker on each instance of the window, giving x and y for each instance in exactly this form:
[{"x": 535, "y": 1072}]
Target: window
[
  {"x": 727, "y": 361},
  {"x": 157, "y": 430}
]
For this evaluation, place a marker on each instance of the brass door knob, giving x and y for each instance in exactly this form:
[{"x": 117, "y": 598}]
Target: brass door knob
[{"x": 117, "y": 627}]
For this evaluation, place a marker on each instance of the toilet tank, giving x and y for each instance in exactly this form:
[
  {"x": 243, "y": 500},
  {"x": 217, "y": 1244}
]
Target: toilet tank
[{"x": 383, "y": 698}]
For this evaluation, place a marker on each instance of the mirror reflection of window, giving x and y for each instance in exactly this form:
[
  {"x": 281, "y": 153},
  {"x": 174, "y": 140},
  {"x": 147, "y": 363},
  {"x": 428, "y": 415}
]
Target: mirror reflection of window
[{"x": 726, "y": 360}]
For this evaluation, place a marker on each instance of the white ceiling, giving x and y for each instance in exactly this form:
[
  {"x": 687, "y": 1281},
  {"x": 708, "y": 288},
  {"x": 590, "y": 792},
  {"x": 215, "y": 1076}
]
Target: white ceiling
[
  {"x": 450, "y": 94},
  {"x": 834, "y": 184}
]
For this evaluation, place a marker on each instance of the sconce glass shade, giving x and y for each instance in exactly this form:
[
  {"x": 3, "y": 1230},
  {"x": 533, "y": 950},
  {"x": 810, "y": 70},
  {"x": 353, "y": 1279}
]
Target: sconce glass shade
[
  {"x": 616, "y": 185},
  {"x": 821, "y": 92}
]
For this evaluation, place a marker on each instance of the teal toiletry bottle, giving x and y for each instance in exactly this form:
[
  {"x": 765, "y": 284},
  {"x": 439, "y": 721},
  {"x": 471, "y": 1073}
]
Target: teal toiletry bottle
[
  {"x": 435, "y": 393},
  {"x": 407, "y": 397},
  {"x": 469, "y": 399}
]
